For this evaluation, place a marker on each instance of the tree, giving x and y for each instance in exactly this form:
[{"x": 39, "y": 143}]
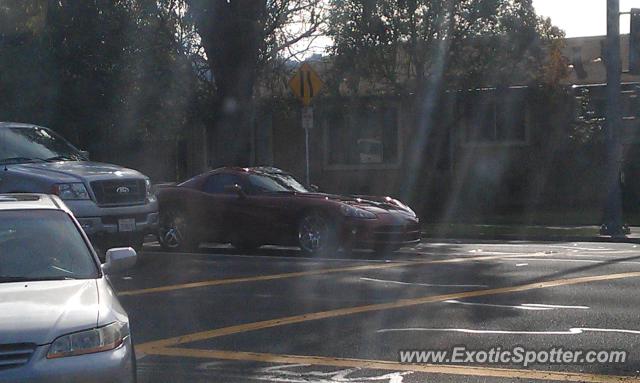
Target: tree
[
  {"x": 102, "y": 71},
  {"x": 405, "y": 43},
  {"x": 241, "y": 39},
  {"x": 424, "y": 47}
]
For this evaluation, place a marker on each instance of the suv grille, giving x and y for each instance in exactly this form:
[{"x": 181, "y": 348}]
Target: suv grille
[
  {"x": 15, "y": 355},
  {"x": 119, "y": 192}
]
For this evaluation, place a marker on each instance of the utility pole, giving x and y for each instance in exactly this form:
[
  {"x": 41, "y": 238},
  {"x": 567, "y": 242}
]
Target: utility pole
[{"x": 613, "y": 210}]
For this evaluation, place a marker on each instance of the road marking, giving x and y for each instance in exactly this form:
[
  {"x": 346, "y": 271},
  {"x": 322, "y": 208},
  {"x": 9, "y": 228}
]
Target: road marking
[
  {"x": 297, "y": 257},
  {"x": 611, "y": 262},
  {"x": 402, "y": 303},
  {"x": 292, "y": 373},
  {"x": 525, "y": 306},
  {"x": 571, "y": 331},
  {"x": 394, "y": 366},
  {"x": 416, "y": 284},
  {"x": 227, "y": 281},
  {"x": 556, "y": 306}
]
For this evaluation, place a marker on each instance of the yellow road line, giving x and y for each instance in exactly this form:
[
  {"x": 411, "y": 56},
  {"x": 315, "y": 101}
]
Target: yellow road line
[
  {"x": 209, "y": 334},
  {"x": 218, "y": 282},
  {"x": 394, "y": 366}
]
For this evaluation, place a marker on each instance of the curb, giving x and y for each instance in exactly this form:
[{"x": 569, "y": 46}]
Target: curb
[{"x": 537, "y": 238}]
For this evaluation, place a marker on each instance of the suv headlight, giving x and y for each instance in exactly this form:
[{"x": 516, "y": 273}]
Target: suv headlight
[
  {"x": 89, "y": 341},
  {"x": 71, "y": 191},
  {"x": 149, "y": 189},
  {"x": 355, "y": 212}
]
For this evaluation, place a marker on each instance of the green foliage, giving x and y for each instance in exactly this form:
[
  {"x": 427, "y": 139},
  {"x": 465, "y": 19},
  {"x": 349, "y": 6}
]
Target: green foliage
[
  {"x": 588, "y": 126},
  {"x": 406, "y": 42},
  {"x": 99, "y": 71}
]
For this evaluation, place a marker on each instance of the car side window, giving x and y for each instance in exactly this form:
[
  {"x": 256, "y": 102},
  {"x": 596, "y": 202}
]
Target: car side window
[{"x": 216, "y": 183}]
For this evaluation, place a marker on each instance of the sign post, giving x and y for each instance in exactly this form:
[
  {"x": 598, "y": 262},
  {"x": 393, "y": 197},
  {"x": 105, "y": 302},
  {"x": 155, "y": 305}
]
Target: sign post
[
  {"x": 613, "y": 208},
  {"x": 305, "y": 85}
]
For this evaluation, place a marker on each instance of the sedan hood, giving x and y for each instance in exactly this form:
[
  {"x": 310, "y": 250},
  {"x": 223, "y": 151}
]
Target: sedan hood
[
  {"x": 39, "y": 312},
  {"x": 78, "y": 170},
  {"x": 370, "y": 203}
]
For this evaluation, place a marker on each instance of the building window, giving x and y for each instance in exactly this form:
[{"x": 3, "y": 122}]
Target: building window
[
  {"x": 366, "y": 136},
  {"x": 501, "y": 121}
]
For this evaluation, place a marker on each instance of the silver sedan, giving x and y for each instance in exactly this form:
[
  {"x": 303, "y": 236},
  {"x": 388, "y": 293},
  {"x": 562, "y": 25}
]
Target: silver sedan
[{"x": 60, "y": 321}]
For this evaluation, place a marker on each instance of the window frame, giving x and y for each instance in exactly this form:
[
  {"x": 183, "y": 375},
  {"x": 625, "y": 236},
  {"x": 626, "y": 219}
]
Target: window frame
[
  {"x": 465, "y": 141},
  {"x": 382, "y": 166}
]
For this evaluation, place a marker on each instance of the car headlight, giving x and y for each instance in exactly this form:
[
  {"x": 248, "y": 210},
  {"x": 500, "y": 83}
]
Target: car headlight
[
  {"x": 89, "y": 341},
  {"x": 149, "y": 189},
  {"x": 71, "y": 191},
  {"x": 355, "y": 212}
]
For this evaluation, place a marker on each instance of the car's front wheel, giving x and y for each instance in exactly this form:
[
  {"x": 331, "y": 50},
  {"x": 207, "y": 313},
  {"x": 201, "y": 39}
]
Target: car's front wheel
[
  {"x": 317, "y": 234},
  {"x": 175, "y": 233}
]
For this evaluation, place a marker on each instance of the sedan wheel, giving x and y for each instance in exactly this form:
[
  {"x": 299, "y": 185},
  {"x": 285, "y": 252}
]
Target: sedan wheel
[
  {"x": 174, "y": 233},
  {"x": 316, "y": 234}
]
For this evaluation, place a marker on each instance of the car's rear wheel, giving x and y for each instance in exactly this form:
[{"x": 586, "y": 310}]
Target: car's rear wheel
[
  {"x": 176, "y": 234},
  {"x": 317, "y": 234}
]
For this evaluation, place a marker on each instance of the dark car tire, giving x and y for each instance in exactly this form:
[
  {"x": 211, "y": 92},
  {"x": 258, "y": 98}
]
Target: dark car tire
[
  {"x": 317, "y": 234},
  {"x": 175, "y": 233}
]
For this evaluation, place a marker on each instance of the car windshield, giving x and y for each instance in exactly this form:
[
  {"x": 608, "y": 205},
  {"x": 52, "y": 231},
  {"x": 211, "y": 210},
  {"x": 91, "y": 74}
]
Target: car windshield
[
  {"x": 30, "y": 144},
  {"x": 275, "y": 183},
  {"x": 42, "y": 245},
  {"x": 266, "y": 184},
  {"x": 291, "y": 183}
]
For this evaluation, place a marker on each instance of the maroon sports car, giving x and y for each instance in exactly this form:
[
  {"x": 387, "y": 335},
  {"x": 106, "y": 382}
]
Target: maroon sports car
[{"x": 251, "y": 207}]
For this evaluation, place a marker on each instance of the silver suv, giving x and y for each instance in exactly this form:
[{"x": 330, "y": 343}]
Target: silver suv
[
  {"x": 114, "y": 205},
  {"x": 61, "y": 320}
]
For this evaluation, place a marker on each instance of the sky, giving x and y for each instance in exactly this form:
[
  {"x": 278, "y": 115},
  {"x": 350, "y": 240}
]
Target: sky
[{"x": 582, "y": 17}]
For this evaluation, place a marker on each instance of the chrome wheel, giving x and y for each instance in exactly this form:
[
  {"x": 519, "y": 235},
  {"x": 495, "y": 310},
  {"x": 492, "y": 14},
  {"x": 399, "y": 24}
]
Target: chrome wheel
[
  {"x": 313, "y": 233},
  {"x": 173, "y": 233}
]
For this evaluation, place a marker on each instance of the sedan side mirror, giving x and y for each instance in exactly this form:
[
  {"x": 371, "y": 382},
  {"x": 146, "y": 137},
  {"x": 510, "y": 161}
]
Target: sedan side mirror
[
  {"x": 85, "y": 154},
  {"x": 118, "y": 259},
  {"x": 314, "y": 188},
  {"x": 235, "y": 188}
]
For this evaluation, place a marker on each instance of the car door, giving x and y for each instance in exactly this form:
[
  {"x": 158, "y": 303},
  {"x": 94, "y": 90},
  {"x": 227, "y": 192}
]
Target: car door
[
  {"x": 220, "y": 205},
  {"x": 267, "y": 211}
]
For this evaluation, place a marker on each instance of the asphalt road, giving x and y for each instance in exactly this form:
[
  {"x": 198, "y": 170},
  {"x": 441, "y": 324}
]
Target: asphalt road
[{"x": 276, "y": 316}]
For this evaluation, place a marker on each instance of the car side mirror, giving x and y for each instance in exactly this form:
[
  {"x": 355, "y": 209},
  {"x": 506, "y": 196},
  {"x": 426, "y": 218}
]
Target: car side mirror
[
  {"x": 85, "y": 154},
  {"x": 119, "y": 259},
  {"x": 314, "y": 188},
  {"x": 235, "y": 188}
]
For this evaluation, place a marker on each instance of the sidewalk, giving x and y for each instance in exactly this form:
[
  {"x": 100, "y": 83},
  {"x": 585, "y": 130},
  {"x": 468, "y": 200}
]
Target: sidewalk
[{"x": 523, "y": 232}]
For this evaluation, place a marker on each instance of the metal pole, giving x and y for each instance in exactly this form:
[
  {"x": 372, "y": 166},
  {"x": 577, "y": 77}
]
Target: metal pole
[
  {"x": 613, "y": 209},
  {"x": 307, "y": 125},
  {"x": 306, "y": 156}
]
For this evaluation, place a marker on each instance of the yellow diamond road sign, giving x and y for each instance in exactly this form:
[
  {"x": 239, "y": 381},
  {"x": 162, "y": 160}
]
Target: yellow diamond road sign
[{"x": 306, "y": 84}]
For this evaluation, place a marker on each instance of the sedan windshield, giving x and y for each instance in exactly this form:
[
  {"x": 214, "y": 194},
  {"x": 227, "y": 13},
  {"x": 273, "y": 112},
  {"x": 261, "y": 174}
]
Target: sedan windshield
[
  {"x": 30, "y": 144},
  {"x": 291, "y": 183},
  {"x": 275, "y": 183},
  {"x": 42, "y": 245}
]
